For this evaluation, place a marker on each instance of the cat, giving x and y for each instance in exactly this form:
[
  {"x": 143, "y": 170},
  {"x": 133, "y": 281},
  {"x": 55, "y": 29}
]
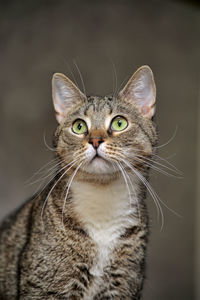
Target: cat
[{"x": 84, "y": 236}]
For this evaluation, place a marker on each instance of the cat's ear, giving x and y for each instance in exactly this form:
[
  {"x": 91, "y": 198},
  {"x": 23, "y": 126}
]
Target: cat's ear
[
  {"x": 141, "y": 90},
  {"x": 65, "y": 95}
]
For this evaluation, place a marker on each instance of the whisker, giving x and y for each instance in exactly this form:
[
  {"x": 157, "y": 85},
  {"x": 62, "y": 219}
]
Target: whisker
[
  {"x": 43, "y": 167},
  {"x": 174, "y": 212},
  {"x": 170, "y": 167},
  {"x": 170, "y": 164},
  {"x": 71, "y": 72},
  {"x": 54, "y": 168},
  {"x": 138, "y": 208},
  {"x": 150, "y": 190},
  {"x": 153, "y": 193},
  {"x": 81, "y": 77},
  {"x": 38, "y": 191},
  {"x": 48, "y": 147},
  {"x": 144, "y": 161},
  {"x": 45, "y": 202},
  {"x": 148, "y": 161},
  {"x": 170, "y": 140},
  {"x": 125, "y": 179},
  {"x": 69, "y": 185},
  {"x": 122, "y": 83},
  {"x": 114, "y": 78},
  {"x": 50, "y": 172},
  {"x": 128, "y": 177}
]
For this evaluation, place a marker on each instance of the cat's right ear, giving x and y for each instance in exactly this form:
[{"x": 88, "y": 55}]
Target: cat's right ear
[{"x": 65, "y": 95}]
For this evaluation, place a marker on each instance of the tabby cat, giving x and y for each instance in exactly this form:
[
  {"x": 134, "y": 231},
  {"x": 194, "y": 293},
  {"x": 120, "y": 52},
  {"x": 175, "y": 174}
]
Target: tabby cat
[{"x": 84, "y": 236}]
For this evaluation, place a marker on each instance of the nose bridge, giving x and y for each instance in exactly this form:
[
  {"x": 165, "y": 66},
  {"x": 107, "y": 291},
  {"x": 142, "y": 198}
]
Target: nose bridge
[{"x": 97, "y": 133}]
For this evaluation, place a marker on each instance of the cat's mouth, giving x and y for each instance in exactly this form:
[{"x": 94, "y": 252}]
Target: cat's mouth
[
  {"x": 97, "y": 157},
  {"x": 97, "y": 162},
  {"x": 99, "y": 165}
]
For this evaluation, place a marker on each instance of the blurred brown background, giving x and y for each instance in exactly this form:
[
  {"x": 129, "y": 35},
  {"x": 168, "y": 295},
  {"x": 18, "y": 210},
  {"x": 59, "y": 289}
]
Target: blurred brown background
[{"x": 38, "y": 38}]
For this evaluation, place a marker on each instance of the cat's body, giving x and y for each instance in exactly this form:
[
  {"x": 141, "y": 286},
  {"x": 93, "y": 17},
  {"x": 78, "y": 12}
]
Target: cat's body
[{"x": 84, "y": 236}]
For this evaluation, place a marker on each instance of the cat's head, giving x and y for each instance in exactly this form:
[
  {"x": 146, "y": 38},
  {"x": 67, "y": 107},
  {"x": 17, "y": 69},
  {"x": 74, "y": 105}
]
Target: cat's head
[{"x": 100, "y": 136}]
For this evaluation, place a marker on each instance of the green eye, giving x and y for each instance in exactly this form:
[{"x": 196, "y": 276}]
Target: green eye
[
  {"x": 79, "y": 127},
  {"x": 119, "y": 123}
]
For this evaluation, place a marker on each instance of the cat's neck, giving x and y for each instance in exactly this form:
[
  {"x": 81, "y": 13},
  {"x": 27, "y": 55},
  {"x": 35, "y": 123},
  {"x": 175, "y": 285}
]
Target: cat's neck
[{"x": 101, "y": 206}]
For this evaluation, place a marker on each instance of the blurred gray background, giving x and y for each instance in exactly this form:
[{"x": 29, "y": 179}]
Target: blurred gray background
[{"x": 38, "y": 38}]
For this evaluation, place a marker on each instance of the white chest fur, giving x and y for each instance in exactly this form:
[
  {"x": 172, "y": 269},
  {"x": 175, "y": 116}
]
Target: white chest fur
[{"x": 106, "y": 213}]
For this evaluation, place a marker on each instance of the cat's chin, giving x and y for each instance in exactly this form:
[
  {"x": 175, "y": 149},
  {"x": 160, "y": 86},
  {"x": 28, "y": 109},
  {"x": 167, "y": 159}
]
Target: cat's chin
[{"x": 99, "y": 165}]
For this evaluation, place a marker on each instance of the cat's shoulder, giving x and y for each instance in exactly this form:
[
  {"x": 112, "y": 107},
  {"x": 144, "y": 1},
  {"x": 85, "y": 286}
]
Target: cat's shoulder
[{"x": 21, "y": 213}]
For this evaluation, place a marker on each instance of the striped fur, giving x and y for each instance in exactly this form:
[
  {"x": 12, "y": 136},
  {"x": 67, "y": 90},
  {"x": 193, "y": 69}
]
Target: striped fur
[{"x": 84, "y": 236}]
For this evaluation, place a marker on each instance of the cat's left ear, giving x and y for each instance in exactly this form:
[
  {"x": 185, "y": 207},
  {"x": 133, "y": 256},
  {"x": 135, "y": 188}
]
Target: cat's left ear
[
  {"x": 141, "y": 91},
  {"x": 66, "y": 95}
]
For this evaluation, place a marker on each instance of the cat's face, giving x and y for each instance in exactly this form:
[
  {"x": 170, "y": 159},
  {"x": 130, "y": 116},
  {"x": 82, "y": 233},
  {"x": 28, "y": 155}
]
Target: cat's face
[{"x": 98, "y": 135}]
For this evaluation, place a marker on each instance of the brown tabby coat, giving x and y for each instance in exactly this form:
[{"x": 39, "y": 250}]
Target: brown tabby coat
[{"x": 84, "y": 236}]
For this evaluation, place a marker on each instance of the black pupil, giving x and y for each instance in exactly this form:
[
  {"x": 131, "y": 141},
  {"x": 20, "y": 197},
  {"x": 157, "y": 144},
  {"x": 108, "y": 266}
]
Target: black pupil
[
  {"x": 119, "y": 123},
  {"x": 79, "y": 126}
]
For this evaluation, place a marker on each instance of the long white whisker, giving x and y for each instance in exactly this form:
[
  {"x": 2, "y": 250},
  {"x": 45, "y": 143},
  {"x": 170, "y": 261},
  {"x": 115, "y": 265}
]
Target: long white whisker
[
  {"x": 115, "y": 83},
  {"x": 150, "y": 190},
  {"x": 51, "y": 171},
  {"x": 174, "y": 212},
  {"x": 55, "y": 174},
  {"x": 48, "y": 147},
  {"x": 159, "y": 164},
  {"x": 70, "y": 69},
  {"x": 170, "y": 140},
  {"x": 42, "y": 168},
  {"x": 122, "y": 83},
  {"x": 138, "y": 208},
  {"x": 125, "y": 179},
  {"x": 158, "y": 198},
  {"x": 141, "y": 153},
  {"x": 125, "y": 175},
  {"x": 155, "y": 167},
  {"x": 69, "y": 185},
  {"x": 152, "y": 163},
  {"x": 153, "y": 194},
  {"x": 170, "y": 164},
  {"x": 148, "y": 161},
  {"x": 81, "y": 77},
  {"x": 45, "y": 202}
]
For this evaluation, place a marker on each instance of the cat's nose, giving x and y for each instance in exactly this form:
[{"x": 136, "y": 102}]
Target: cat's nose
[{"x": 96, "y": 142}]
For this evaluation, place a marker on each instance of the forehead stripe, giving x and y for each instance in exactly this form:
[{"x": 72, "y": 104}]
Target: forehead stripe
[{"x": 88, "y": 107}]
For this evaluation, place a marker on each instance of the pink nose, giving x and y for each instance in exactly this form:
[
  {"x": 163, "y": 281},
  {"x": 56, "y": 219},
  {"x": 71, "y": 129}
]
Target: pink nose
[{"x": 96, "y": 142}]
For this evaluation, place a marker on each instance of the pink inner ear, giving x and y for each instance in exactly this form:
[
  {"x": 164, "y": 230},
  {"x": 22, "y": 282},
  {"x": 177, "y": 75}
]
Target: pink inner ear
[
  {"x": 148, "y": 111},
  {"x": 58, "y": 104},
  {"x": 65, "y": 95},
  {"x": 141, "y": 90},
  {"x": 145, "y": 110}
]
